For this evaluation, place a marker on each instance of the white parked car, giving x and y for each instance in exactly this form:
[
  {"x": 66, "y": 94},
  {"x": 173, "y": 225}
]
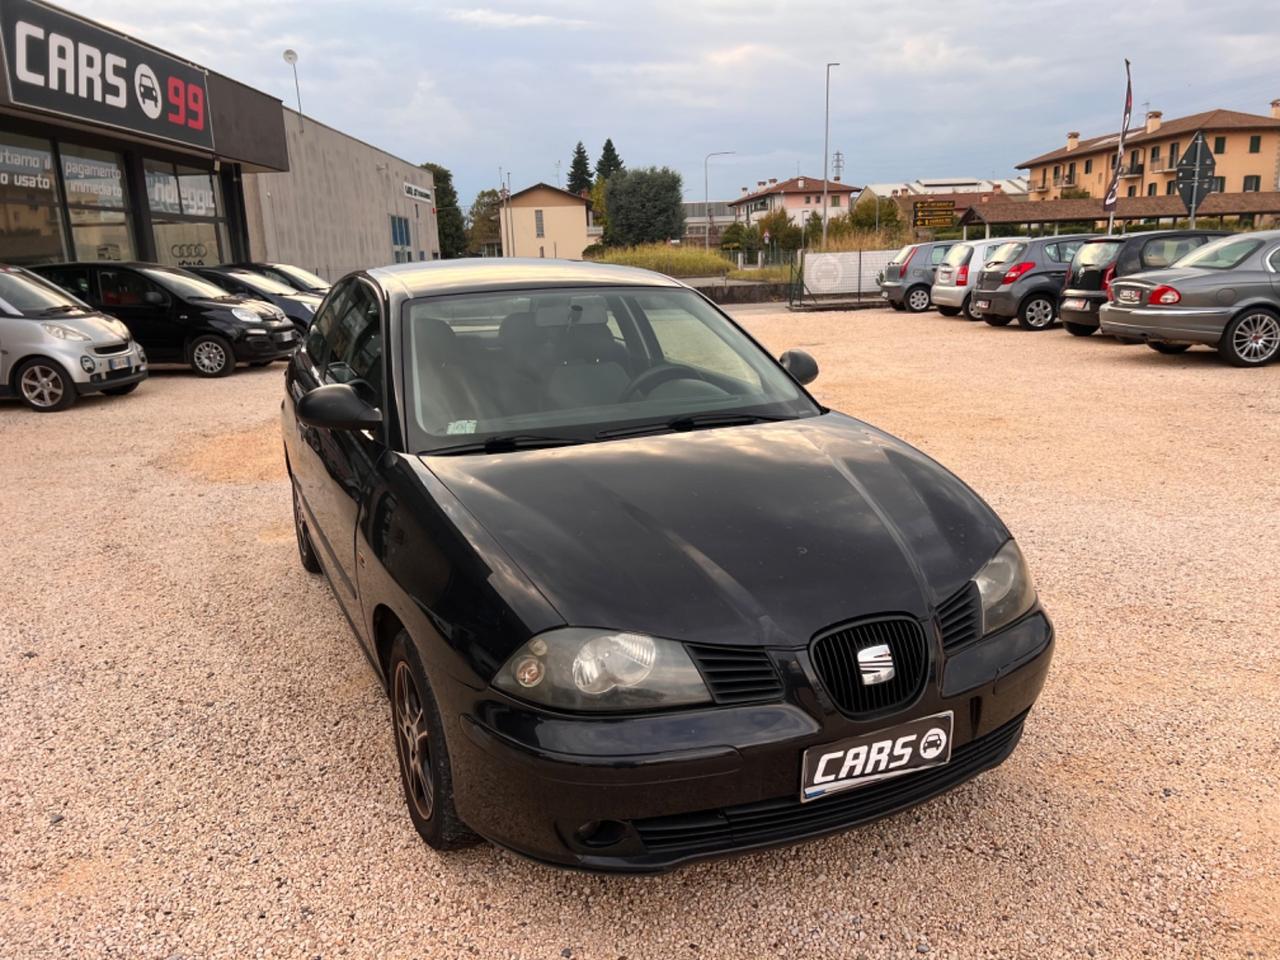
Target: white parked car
[
  {"x": 957, "y": 275},
  {"x": 55, "y": 348}
]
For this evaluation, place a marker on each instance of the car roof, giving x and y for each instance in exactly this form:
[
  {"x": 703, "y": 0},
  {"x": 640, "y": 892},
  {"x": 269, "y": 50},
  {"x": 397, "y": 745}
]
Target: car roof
[
  {"x": 1150, "y": 234},
  {"x": 430, "y": 278},
  {"x": 110, "y": 263}
]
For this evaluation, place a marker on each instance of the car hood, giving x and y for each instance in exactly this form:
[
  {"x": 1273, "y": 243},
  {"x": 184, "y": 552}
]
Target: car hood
[
  {"x": 263, "y": 309},
  {"x": 102, "y": 330},
  {"x": 740, "y": 535}
]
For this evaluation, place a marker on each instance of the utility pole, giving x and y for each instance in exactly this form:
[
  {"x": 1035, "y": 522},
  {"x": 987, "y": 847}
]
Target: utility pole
[
  {"x": 706, "y": 194},
  {"x": 826, "y": 144}
]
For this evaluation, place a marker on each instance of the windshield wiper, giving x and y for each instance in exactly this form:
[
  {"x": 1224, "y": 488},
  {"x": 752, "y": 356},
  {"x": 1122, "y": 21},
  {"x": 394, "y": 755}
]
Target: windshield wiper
[
  {"x": 504, "y": 444},
  {"x": 694, "y": 421},
  {"x": 60, "y": 310}
]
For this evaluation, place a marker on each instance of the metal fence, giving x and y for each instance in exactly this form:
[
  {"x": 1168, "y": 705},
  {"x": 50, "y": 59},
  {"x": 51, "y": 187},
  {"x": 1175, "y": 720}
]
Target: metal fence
[{"x": 852, "y": 275}]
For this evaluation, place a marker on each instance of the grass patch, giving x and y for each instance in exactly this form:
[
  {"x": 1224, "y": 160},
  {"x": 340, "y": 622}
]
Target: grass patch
[
  {"x": 673, "y": 261},
  {"x": 775, "y": 273}
]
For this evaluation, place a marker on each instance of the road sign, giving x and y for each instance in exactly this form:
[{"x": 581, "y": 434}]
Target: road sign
[
  {"x": 933, "y": 213},
  {"x": 1195, "y": 179}
]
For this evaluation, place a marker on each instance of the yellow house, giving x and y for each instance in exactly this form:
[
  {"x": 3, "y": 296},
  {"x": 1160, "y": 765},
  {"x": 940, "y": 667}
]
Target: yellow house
[
  {"x": 1246, "y": 150},
  {"x": 545, "y": 221}
]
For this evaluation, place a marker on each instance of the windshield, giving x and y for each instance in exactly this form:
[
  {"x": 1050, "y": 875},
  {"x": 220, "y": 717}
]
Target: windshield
[
  {"x": 23, "y": 293},
  {"x": 573, "y": 363},
  {"x": 1096, "y": 254},
  {"x": 298, "y": 275},
  {"x": 185, "y": 284},
  {"x": 1006, "y": 252},
  {"x": 262, "y": 283},
  {"x": 1224, "y": 254},
  {"x": 958, "y": 255}
]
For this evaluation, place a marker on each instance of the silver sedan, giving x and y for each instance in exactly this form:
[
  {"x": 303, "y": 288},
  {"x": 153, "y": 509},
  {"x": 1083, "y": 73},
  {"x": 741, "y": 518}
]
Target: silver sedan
[{"x": 1226, "y": 294}]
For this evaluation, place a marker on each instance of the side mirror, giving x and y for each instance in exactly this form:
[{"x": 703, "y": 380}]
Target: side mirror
[
  {"x": 802, "y": 367},
  {"x": 336, "y": 406},
  {"x": 153, "y": 297}
]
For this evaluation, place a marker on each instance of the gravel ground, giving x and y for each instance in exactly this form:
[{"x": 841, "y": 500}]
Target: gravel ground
[{"x": 197, "y": 761}]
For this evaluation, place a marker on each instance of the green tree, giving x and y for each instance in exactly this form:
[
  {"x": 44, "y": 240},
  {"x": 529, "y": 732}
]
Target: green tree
[
  {"x": 453, "y": 231},
  {"x": 483, "y": 225},
  {"x": 579, "y": 170},
  {"x": 609, "y": 162},
  {"x": 783, "y": 234},
  {"x": 599, "y": 209},
  {"x": 644, "y": 206},
  {"x": 863, "y": 216}
]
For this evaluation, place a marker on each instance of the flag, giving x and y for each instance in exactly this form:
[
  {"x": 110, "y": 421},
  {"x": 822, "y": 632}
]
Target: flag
[{"x": 1109, "y": 202}]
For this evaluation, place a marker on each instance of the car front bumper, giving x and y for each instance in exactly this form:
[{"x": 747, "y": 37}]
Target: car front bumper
[
  {"x": 1002, "y": 302},
  {"x": 1165, "y": 324},
  {"x": 130, "y": 367},
  {"x": 947, "y": 295},
  {"x": 275, "y": 345},
  {"x": 681, "y": 786}
]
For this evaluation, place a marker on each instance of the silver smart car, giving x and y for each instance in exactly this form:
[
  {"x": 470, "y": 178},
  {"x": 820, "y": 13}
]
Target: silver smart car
[
  {"x": 55, "y": 348},
  {"x": 1226, "y": 294}
]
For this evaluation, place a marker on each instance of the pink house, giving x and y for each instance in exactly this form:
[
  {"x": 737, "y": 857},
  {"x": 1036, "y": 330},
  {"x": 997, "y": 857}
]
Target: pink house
[{"x": 799, "y": 196}]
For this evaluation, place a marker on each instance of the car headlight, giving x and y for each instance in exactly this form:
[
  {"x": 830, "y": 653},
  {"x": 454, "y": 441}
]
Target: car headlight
[
  {"x": 1006, "y": 588},
  {"x": 581, "y": 669},
  {"x": 248, "y": 316},
  {"x": 63, "y": 332}
]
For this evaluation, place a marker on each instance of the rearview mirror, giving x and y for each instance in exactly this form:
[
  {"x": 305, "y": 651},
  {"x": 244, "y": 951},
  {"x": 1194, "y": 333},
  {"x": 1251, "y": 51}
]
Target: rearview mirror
[
  {"x": 802, "y": 367},
  {"x": 336, "y": 406},
  {"x": 154, "y": 297}
]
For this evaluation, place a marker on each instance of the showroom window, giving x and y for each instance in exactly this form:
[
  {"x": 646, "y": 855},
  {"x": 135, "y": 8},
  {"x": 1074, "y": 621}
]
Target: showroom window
[
  {"x": 31, "y": 225},
  {"x": 96, "y": 203},
  {"x": 401, "y": 241},
  {"x": 187, "y": 215}
]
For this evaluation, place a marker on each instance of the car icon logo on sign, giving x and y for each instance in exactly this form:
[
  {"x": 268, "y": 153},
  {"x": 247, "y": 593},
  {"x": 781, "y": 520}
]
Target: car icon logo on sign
[{"x": 875, "y": 664}]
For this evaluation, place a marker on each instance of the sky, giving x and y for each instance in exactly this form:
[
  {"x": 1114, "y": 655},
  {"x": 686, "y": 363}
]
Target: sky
[{"x": 924, "y": 89}]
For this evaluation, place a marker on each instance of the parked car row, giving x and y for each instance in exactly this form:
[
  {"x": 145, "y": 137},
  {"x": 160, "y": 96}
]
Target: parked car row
[
  {"x": 1170, "y": 289},
  {"x": 70, "y": 329}
]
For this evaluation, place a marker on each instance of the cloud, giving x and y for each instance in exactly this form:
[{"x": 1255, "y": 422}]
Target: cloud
[{"x": 505, "y": 20}]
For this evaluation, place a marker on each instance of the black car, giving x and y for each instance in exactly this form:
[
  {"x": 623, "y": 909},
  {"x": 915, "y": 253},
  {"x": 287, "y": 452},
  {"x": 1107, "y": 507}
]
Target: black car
[
  {"x": 302, "y": 280},
  {"x": 636, "y": 597},
  {"x": 179, "y": 317},
  {"x": 299, "y": 307},
  {"x": 1099, "y": 261}
]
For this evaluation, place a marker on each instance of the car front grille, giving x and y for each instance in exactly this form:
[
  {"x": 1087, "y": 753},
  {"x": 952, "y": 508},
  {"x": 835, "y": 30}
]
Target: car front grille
[
  {"x": 111, "y": 350},
  {"x": 786, "y": 818},
  {"x": 960, "y": 616},
  {"x": 835, "y": 657},
  {"x": 737, "y": 674}
]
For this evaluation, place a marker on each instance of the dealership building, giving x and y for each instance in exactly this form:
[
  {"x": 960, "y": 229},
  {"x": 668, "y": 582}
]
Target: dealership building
[{"x": 111, "y": 149}]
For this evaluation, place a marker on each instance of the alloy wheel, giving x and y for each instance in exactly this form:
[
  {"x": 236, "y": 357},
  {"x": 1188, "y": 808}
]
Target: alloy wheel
[
  {"x": 1256, "y": 338},
  {"x": 1039, "y": 313},
  {"x": 918, "y": 300},
  {"x": 42, "y": 386},
  {"x": 413, "y": 741},
  {"x": 209, "y": 357}
]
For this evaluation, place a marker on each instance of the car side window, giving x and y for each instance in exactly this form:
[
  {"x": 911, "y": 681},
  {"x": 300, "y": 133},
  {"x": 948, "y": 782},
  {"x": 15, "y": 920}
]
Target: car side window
[
  {"x": 74, "y": 280},
  {"x": 320, "y": 335},
  {"x": 1160, "y": 253},
  {"x": 125, "y": 288},
  {"x": 937, "y": 255},
  {"x": 355, "y": 342}
]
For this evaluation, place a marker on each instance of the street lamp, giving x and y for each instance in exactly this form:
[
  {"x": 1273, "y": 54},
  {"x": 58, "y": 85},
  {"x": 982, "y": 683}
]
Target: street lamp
[
  {"x": 826, "y": 137},
  {"x": 291, "y": 58},
  {"x": 706, "y": 194}
]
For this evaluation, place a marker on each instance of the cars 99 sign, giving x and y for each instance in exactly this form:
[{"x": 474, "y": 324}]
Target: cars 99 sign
[{"x": 57, "y": 62}]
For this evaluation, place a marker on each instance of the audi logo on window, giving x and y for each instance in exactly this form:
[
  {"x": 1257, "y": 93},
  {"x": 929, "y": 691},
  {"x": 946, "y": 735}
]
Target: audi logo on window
[{"x": 181, "y": 250}]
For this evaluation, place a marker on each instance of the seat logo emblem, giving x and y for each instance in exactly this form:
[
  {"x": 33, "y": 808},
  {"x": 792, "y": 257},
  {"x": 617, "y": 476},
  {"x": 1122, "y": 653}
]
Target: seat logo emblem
[{"x": 875, "y": 663}]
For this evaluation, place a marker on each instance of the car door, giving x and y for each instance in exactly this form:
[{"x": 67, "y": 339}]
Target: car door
[
  {"x": 1272, "y": 260},
  {"x": 1054, "y": 260},
  {"x": 145, "y": 308},
  {"x": 332, "y": 468}
]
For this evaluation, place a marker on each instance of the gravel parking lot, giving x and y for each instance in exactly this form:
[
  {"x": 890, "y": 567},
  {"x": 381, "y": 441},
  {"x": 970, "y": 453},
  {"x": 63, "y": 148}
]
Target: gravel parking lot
[{"x": 197, "y": 760}]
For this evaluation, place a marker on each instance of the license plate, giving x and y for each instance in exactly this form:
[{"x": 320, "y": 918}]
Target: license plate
[
  {"x": 984, "y": 304},
  {"x": 884, "y": 294},
  {"x": 118, "y": 363},
  {"x": 1074, "y": 303},
  {"x": 914, "y": 745},
  {"x": 1127, "y": 295}
]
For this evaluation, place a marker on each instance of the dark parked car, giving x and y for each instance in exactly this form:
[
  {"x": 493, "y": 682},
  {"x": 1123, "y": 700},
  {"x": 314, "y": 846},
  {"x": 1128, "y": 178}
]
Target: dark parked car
[
  {"x": 1226, "y": 295},
  {"x": 909, "y": 276},
  {"x": 1023, "y": 279},
  {"x": 1101, "y": 260},
  {"x": 179, "y": 317},
  {"x": 636, "y": 598},
  {"x": 299, "y": 307},
  {"x": 301, "y": 280}
]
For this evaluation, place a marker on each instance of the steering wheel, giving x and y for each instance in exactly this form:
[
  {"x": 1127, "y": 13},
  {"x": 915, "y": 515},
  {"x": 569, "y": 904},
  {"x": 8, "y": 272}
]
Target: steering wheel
[{"x": 664, "y": 373}]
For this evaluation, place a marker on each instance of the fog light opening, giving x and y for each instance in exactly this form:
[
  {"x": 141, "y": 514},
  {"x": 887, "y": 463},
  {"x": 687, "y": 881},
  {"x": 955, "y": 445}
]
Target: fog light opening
[
  {"x": 600, "y": 833},
  {"x": 88, "y": 364}
]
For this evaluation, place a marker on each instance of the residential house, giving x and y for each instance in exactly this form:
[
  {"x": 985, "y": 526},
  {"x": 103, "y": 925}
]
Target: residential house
[
  {"x": 545, "y": 221},
  {"x": 1246, "y": 149},
  {"x": 800, "y": 197},
  {"x": 1008, "y": 187}
]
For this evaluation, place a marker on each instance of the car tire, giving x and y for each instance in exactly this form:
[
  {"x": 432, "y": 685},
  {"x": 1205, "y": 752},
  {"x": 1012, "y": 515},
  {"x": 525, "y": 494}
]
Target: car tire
[
  {"x": 211, "y": 356},
  {"x": 917, "y": 300},
  {"x": 997, "y": 321},
  {"x": 427, "y": 780},
  {"x": 44, "y": 386},
  {"x": 124, "y": 391},
  {"x": 1037, "y": 312},
  {"x": 949, "y": 311},
  {"x": 1080, "y": 329},
  {"x": 971, "y": 313},
  {"x": 1252, "y": 339},
  {"x": 1169, "y": 348},
  {"x": 306, "y": 550}
]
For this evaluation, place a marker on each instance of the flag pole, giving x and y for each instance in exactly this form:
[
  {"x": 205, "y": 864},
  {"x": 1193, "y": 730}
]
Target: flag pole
[{"x": 1109, "y": 201}]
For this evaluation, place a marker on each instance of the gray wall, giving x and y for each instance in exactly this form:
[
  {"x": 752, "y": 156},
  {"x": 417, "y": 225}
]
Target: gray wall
[{"x": 331, "y": 212}]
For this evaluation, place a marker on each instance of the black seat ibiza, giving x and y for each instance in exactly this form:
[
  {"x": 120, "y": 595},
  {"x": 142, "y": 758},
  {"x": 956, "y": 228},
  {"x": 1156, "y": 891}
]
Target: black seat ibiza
[{"x": 638, "y": 599}]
